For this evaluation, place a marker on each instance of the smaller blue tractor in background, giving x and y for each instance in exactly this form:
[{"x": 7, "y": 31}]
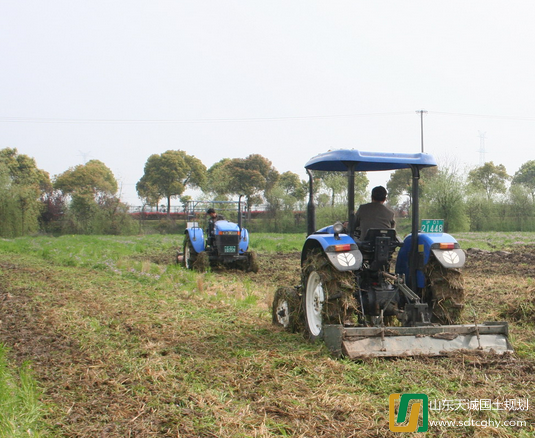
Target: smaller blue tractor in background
[{"x": 222, "y": 242}]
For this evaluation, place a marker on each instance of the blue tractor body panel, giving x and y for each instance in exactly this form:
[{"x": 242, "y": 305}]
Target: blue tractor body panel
[
  {"x": 326, "y": 230},
  {"x": 244, "y": 241},
  {"x": 429, "y": 243},
  {"x": 328, "y": 240},
  {"x": 342, "y": 251},
  {"x": 196, "y": 237},
  {"x": 222, "y": 226},
  {"x": 225, "y": 226}
]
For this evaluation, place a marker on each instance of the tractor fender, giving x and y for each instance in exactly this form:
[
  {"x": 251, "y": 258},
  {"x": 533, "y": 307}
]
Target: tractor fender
[
  {"x": 442, "y": 245},
  {"x": 451, "y": 258},
  {"x": 342, "y": 252},
  {"x": 196, "y": 237},
  {"x": 244, "y": 240}
]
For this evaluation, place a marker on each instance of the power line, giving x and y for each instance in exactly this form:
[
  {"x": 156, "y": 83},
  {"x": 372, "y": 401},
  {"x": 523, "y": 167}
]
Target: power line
[
  {"x": 252, "y": 119},
  {"x": 485, "y": 116},
  {"x": 214, "y": 120}
]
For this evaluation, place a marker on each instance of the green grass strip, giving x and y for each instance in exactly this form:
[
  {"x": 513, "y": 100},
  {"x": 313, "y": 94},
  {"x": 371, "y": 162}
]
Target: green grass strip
[{"x": 20, "y": 408}]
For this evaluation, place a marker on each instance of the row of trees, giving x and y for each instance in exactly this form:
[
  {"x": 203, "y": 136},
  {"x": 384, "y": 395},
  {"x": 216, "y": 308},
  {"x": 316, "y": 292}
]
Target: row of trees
[
  {"x": 168, "y": 175},
  {"x": 21, "y": 186},
  {"x": 84, "y": 199},
  {"x": 485, "y": 198}
]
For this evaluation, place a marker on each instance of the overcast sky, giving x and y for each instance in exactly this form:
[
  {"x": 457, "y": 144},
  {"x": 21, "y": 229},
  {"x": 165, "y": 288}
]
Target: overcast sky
[{"x": 120, "y": 80}]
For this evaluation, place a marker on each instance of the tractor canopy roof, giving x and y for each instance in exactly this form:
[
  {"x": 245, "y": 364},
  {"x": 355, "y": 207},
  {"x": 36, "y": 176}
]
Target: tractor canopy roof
[{"x": 339, "y": 160}]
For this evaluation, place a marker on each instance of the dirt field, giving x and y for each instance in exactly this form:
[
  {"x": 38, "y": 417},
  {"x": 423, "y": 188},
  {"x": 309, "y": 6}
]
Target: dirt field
[{"x": 114, "y": 362}]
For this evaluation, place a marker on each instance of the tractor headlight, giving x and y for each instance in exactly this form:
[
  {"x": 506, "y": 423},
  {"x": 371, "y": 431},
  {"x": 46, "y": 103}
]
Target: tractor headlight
[{"x": 338, "y": 227}]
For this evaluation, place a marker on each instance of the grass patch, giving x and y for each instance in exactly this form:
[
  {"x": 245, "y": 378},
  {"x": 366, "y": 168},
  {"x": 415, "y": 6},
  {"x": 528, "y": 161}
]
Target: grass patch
[
  {"x": 125, "y": 344},
  {"x": 494, "y": 241},
  {"x": 272, "y": 243},
  {"x": 20, "y": 408},
  {"x": 94, "y": 251}
]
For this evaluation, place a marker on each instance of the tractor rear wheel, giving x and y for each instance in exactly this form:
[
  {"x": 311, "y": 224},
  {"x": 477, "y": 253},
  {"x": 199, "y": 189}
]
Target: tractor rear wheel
[
  {"x": 444, "y": 292},
  {"x": 190, "y": 255},
  {"x": 286, "y": 309},
  {"x": 328, "y": 296}
]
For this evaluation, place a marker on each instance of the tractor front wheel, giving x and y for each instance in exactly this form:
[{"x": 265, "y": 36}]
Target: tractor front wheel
[
  {"x": 313, "y": 304},
  {"x": 252, "y": 262},
  {"x": 286, "y": 309}
]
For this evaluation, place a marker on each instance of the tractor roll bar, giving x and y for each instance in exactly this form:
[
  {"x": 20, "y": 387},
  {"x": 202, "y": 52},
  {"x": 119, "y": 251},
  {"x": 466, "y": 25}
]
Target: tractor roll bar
[
  {"x": 414, "y": 256},
  {"x": 311, "y": 207}
]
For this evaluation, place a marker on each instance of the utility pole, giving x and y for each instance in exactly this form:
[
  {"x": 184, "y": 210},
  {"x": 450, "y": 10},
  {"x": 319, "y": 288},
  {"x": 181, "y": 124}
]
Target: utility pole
[
  {"x": 422, "y": 112},
  {"x": 84, "y": 155},
  {"x": 482, "y": 152}
]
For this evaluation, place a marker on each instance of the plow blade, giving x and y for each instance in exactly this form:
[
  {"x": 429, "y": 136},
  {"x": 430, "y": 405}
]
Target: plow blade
[{"x": 361, "y": 342}]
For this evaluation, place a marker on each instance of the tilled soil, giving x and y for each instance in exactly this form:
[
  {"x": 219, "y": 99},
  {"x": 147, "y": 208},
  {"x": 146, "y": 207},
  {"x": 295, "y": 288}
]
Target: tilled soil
[
  {"x": 519, "y": 262},
  {"x": 96, "y": 399}
]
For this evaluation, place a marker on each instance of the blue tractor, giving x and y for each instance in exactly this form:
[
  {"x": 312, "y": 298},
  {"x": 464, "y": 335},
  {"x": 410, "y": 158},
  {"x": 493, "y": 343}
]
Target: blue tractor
[
  {"x": 351, "y": 298},
  {"x": 221, "y": 243}
]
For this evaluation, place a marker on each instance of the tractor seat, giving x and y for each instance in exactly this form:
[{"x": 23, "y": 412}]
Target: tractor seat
[{"x": 378, "y": 246}]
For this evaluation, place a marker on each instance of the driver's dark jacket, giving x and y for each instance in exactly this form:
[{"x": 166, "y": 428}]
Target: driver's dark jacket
[{"x": 373, "y": 215}]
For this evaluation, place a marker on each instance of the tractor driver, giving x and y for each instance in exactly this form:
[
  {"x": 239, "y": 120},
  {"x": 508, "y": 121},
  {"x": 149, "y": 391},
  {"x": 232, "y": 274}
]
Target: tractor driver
[
  {"x": 374, "y": 214},
  {"x": 212, "y": 219}
]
